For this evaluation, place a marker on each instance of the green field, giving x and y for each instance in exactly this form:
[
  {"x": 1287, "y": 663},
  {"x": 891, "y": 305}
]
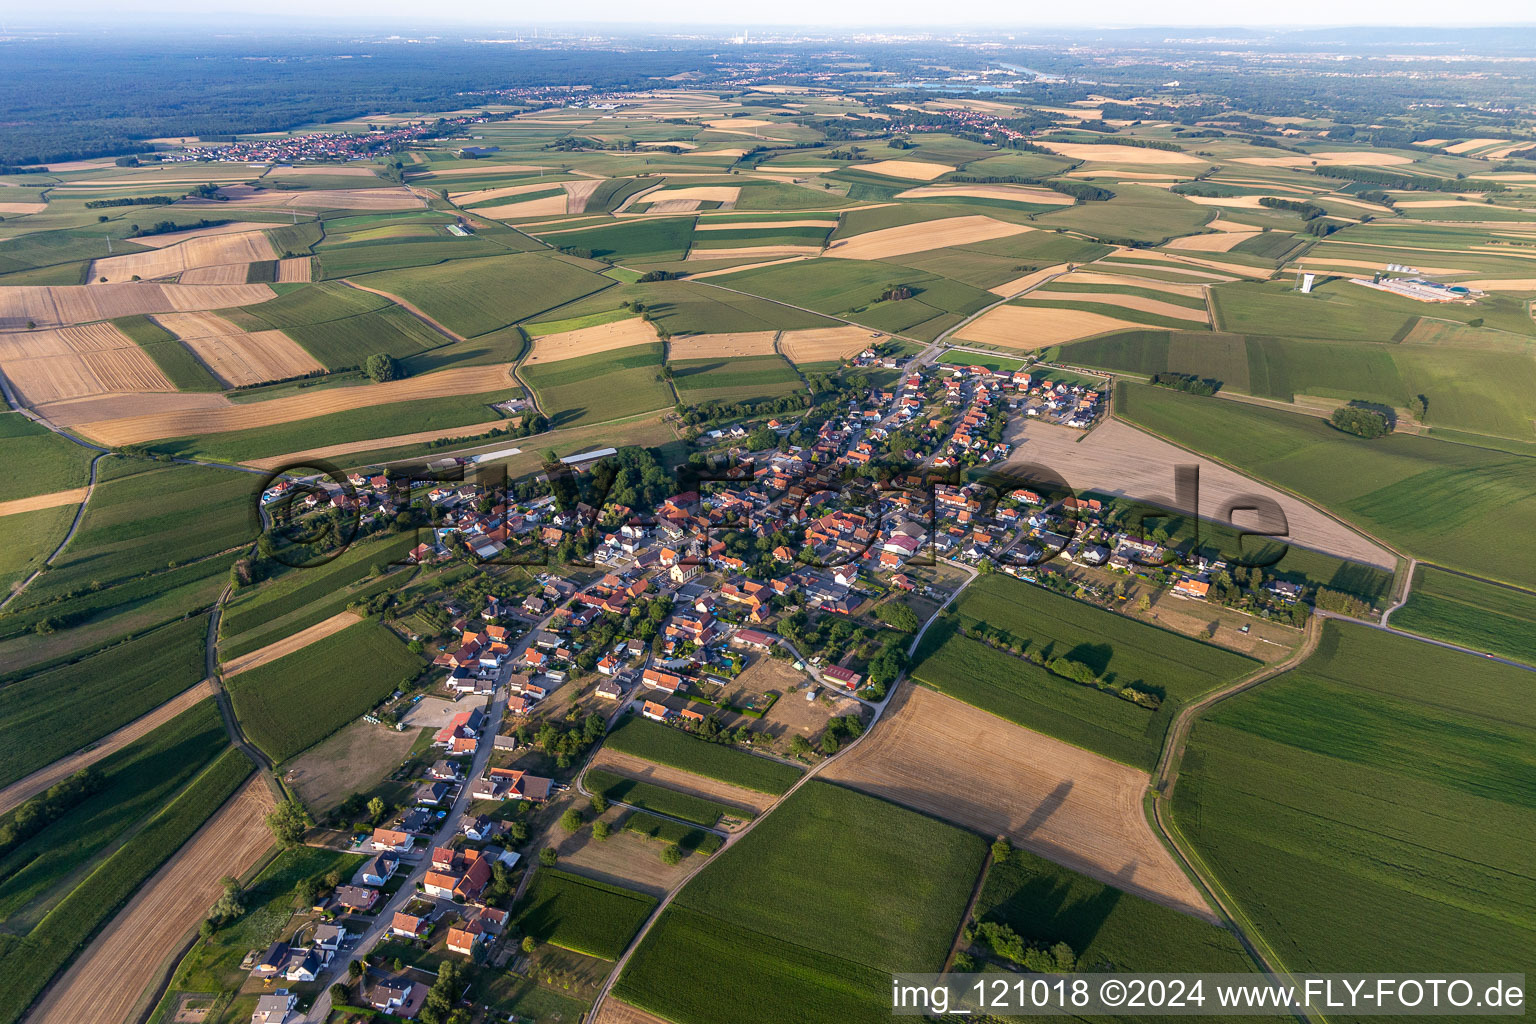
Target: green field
[
  {"x": 660, "y": 799},
  {"x": 40, "y": 461},
  {"x": 37, "y": 533},
  {"x": 1138, "y": 213},
  {"x": 1482, "y": 616},
  {"x": 135, "y": 782},
  {"x": 338, "y": 325},
  {"x": 1372, "y": 809},
  {"x": 605, "y": 386},
  {"x": 664, "y": 745},
  {"x": 288, "y": 705},
  {"x": 689, "y": 840},
  {"x": 734, "y": 379},
  {"x": 1435, "y": 499},
  {"x": 580, "y": 914},
  {"x": 954, "y": 357},
  {"x": 473, "y": 297},
  {"x": 648, "y": 239},
  {"x": 1108, "y": 929},
  {"x": 1338, "y": 310},
  {"x": 106, "y": 690},
  {"x": 396, "y": 253},
  {"x": 30, "y": 961},
  {"x": 175, "y": 360},
  {"x": 757, "y": 932}
]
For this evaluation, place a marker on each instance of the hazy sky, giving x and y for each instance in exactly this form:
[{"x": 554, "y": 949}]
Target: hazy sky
[{"x": 871, "y": 13}]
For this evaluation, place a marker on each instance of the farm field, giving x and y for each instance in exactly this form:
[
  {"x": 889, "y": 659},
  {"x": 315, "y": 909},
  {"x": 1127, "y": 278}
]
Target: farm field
[
  {"x": 1364, "y": 816},
  {"x": 235, "y": 357},
  {"x": 783, "y": 941},
  {"x": 733, "y": 379},
  {"x": 660, "y": 799},
  {"x": 77, "y": 362},
  {"x": 589, "y": 341},
  {"x": 289, "y": 704},
  {"x": 627, "y": 380},
  {"x": 1030, "y": 328},
  {"x": 1432, "y": 498},
  {"x": 885, "y": 243},
  {"x": 582, "y": 915},
  {"x": 947, "y": 759},
  {"x": 653, "y": 741},
  {"x": 63, "y": 306},
  {"x": 1470, "y": 612},
  {"x": 41, "y": 461},
  {"x": 722, "y": 346},
  {"x": 750, "y": 802},
  {"x": 339, "y": 326}
]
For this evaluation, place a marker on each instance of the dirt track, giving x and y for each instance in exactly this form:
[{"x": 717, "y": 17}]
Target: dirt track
[
  {"x": 297, "y": 642},
  {"x": 108, "y": 978},
  {"x": 1076, "y": 808},
  {"x": 685, "y": 782},
  {"x": 25, "y": 789}
]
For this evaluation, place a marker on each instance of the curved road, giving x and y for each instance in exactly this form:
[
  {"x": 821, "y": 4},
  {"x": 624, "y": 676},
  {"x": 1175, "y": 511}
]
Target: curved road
[{"x": 73, "y": 526}]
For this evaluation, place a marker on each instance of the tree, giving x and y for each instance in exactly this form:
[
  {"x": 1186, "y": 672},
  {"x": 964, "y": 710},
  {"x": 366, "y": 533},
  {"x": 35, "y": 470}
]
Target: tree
[
  {"x": 340, "y": 995},
  {"x": 671, "y": 854},
  {"x": 570, "y": 820},
  {"x": 1001, "y": 848},
  {"x": 601, "y": 831},
  {"x": 376, "y": 810},
  {"x": 897, "y": 616},
  {"x": 799, "y": 746},
  {"x": 355, "y": 969},
  {"x": 529, "y": 944},
  {"x": 598, "y": 803},
  {"x": 548, "y": 856},
  {"x": 381, "y": 366},
  {"x": 288, "y": 822}
]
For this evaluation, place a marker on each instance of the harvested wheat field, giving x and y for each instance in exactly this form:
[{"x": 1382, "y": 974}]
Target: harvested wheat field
[
  {"x": 699, "y": 193},
  {"x": 297, "y": 642},
  {"x": 913, "y": 170},
  {"x": 589, "y": 341},
  {"x": 1513, "y": 284},
  {"x": 744, "y": 266},
  {"x": 206, "y": 251},
  {"x": 1357, "y": 158},
  {"x": 1136, "y": 302},
  {"x": 678, "y": 143},
  {"x": 1191, "y": 265},
  {"x": 378, "y": 444},
  {"x": 615, "y": 1012},
  {"x": 1083, "y": 811},
  {"x": 721, "y": 346},
  {"x": 106, "y": 981},
  {"x": 579, "y": 192},
  {"x": 485, "y": 195},
  {"x": 1008, "y": 289},
  {"x": 1322, "y": 265},
  {"x": 229, "y": 273},
  {"x": 329, "y": 170},
  {"x": 824, "y": 344},
  {"x": 455, "y": 382},
  {"x": 1012, "y": 193},
  {"x": 674, "y": 206},
  {"x": 1133, "y": 268},
  {"x": 1110, "y": 154},
  {"x": 74, "y": 411},
  {"x": 24, "y": 789},
  {"x": 236, "y": 357},
  {"x": 36, "y": 502},
  {"x": 685, "y": 782},
  {"x": 1218, "y": 241},
  {"x": 765, "y": 225},
  {"x": 739, "y": 122},
  {"x": 61, "y": 305},
  {"x": 548, "y": 206},
  {"x": 22, "y": 209},
  {"x": 1194, "y": 291},
  {"x": 244, "y": 197},
  {"x": 295, "y": 270},
  {"x": 459, "y": 172},
  {"x": 1028, "y": 328},
  {"x": 750, "y": 251},
  {"x": 234, "y": 227},
  {"x": 74, "y": 362},
  {"x": 922, "y": 236}
]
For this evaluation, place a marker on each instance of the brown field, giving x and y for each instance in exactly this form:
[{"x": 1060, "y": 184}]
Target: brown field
[
  {"x": 42, "y": 501},
  {"x": 1471, "y": 144},
  {"x": 459, "y": 172},
  {"x": 1028, "y": 328},
  {"x": 1358, "y": 158},
  {"x": 700, "y": 193},
  {"x": 768, "y": 251},
  {"x": 1137, "y": 302},
  {"x": 549, "y": 206},
  {"x": 1014, "y": 193},
  {"x": 678, "y": 143},
  {"x": 205, "y": 251},
  {"x": 104, "y": 407},
  {"x": 1132, "y": 269},
  {"x": 589, "y": 341},
  {"x": 1119, "y": 459},
  {"x": 297, "y": 642},
  {"x": 228, "y": 273},
  {"x": 295, "y": 270},
  {"x": 329, "y": 170},
  {"x": 26, "y": 788},
  {"x": 1081, "y": 810},
  {"x": 61, "y": 305},
  {"x": 236, "y": 357},
  {"x": 1145, "y": 177},
  {"x": 1185, "y": 263},
  {"x": 823, "y": 344},
  {"x": 739, "y": 122},
  {"x": 244, "y": 197},
  {"x": 720, "y": 346},
  {"x": 625, "y": 858},
  {"x": 766, "y": 225},
  {"x": 487, "y": 194},
  {"x": 354, "y": 760},
  {"x": 22, "y": 208},
  {"x": 377, "y": 444},
  {"x": 1514, "y": 284},
  {"x": 1311, "y": 262},
  {"x": 1090, "y": 277},
  {"x": 1107, "y": 154},
  {"x": 1010, "y": 288},
  {"x": 463, "y": 380},
  {"x": 234, "y": 227},
  {"x": 615, "y": 1012},
  {"x": 108, "y": 978},
  {"x": 1220, "y": 241},
  {"x": 743, "y": 266},
  {"x": 913, "y": 170},
  {"x": 579, "y": 192},
  {"x": 674, "y": 206},
  {"x": 684, "y": 782},
  {"x": 922, "y": 236},
  {"x": 74, "y": 362}
]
